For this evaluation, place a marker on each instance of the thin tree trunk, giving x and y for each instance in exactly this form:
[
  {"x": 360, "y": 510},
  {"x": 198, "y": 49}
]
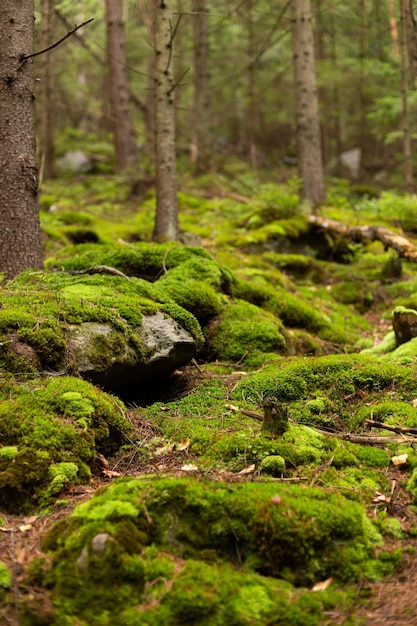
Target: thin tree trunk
[
  {"x": 124, "y": 136},
  {"x": 335, "y": 105},
  {"x": 253, "y": 102},
  {"x": 308, "y": 127},
  {"x": 20, "y": 243},
  {"x": 361, "y": 140},
  {"x": 393, "y": 29},
  {"x": 411, "y": 41},
  {"x": 202, "y": 135},
  {"x": 47, "y": 109},
  {"x": 320, "y": 56},
  {"x": 166, "y": 218},
  {"x": 408, "y": 165}
]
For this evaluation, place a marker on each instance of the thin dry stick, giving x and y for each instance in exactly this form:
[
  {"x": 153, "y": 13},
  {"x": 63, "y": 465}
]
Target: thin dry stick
[
  {"x": 395, "y": 429},
  {"x": 362, "y": 439},
  {"x": 54, "y": 45}
]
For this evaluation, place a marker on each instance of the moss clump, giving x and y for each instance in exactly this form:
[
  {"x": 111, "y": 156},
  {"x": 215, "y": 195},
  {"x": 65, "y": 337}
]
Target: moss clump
[
  {"x": 244, "y": 329},
  {"x": 394, "y": 413},
  {"x": 136, "y": 544},
  {"x": 51, "y": 430},
  {"x": 8, "y": 452},
  {"x": 273, "y": 465}
]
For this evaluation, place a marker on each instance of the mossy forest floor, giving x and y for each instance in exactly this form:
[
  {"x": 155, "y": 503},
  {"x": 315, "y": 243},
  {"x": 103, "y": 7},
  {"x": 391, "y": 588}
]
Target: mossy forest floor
[{"x": 176, "y": 507}]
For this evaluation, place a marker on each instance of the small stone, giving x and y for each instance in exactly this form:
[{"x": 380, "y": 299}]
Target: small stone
[{"x": 99, "y": 542}]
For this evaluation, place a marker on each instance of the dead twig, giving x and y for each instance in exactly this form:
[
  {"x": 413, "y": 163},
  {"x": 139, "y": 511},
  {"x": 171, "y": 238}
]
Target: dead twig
[
  {"x": 54, "y": 45},
  {"x": 365, "y": 440},
  {"x": 395, "y": 429},
  {"x": 246, "y": 412}
]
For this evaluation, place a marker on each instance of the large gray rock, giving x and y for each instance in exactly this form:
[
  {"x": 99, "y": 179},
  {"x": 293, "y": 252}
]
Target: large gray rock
[{"x": 104, "y": 357}]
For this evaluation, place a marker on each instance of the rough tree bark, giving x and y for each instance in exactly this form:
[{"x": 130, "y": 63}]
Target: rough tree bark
[
  {"x": 202, "y": 135},
  {"x": 166, "y": 218},
  {"x": 124, "y": 136},
  {"x": 308, "y": 127},
  {"x": 20, "y": 243},
  {"x": 47, "y": 111}
]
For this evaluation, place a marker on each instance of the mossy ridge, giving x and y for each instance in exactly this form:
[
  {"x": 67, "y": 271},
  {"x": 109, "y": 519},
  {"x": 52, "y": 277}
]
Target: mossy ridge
[
  {"x": 57, "y": 425},
  {"x": 153, "y": 529},
  {"x": 340, "y": 375},
  {"x": 138, "y": 259}
]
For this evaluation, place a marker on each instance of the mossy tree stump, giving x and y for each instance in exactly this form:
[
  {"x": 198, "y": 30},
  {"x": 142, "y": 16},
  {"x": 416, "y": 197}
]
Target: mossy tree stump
[{"x": 275, "y": 421}]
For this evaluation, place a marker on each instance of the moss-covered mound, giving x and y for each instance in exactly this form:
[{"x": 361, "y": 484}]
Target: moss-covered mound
[
  {"x": 40, "y": 311},
  {"x": 245, "y": 330},
  {"x": 50, "y": 433},
  {"x": 180, "y": 551}
]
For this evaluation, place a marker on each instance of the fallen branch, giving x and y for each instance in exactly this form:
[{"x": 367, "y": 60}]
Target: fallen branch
[
  {"x": 404, "y": 247},
  {"x": 364, "y": 440},
  {"x": 395, "y": 429}
]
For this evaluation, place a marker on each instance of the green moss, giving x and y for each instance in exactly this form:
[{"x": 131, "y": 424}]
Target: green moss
[
  {"x": 406, "y": 353},
  {"x": 394, "y": 413},
  {"x": 340, "y": 375},
  {"x": 8, "y": 452},
  {"x": 56, "y": 426},
  {"x": 319, "y": 405},
  {"x": 302, "y": 537},
  {"x": 273, "y": 465},
  {"x": 37, "y": 329},
  {"x": 243, "y": 329},
  {"x": 5, "y": 577},
  {"x": 388, "y": 344}
]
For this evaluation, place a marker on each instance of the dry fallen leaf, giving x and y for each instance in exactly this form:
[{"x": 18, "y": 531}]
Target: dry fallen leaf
[
  {"x": 323, "y": 585},
  {"x": 102, "y": 460},
  {"x": 231, "y": 407},
  {"x": 165, "y": 449},
  {"x": 25, "y": 527},
  {"x": 247, "y": 470},
  {"x": 401, "y": 459},
  {"x": 111, "y": 473},
  {"x": 189, "y": 467},
  {"x": 380, "y": 497},
  {"x": 184, "y": 444}
]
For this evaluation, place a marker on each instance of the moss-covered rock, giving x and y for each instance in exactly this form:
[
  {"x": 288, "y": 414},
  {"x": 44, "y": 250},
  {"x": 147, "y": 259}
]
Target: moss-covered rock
[
  {"x": 51, "y": 430},
  {"x": 169, "y": 550},
  {"x": 114, "y": 331}
]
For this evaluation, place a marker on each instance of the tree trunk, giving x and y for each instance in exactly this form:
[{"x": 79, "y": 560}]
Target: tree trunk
[
  {"x": 124, "y": 135},
  {"x": 166, "y": 218},
  {"x": 47, "y": 110},
  {"x": 20, "y": 243},
  {"x": 253, "y": 102},
  {"x": 202, "y": 136},
  {"x": 308, "y": 127},
  {"x": 393, "y": 29},
  {"x": 408, "y": 165},
  {"x": 321, "y": 56}
]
